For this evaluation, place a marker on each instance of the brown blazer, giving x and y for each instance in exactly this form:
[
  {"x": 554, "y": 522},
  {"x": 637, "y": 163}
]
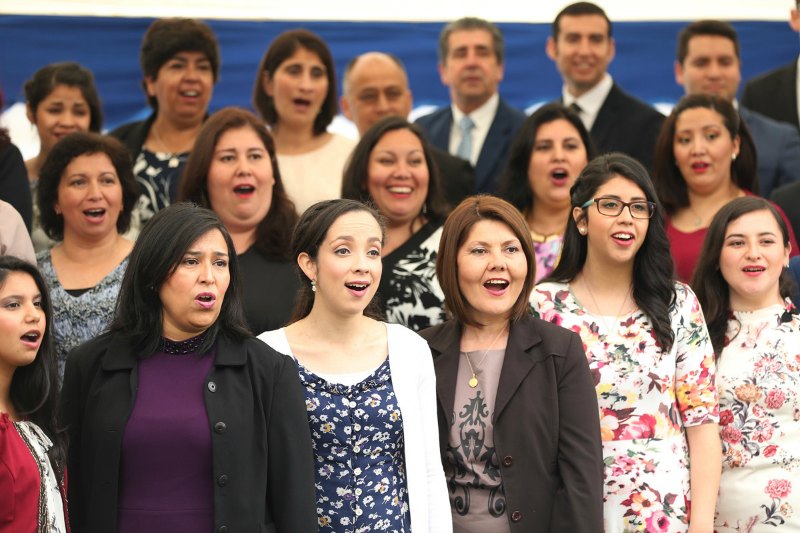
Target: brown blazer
[{"x": 546, "y": 425}]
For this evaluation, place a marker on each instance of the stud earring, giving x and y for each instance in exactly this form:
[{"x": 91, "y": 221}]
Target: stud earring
[
  {"x": 733, "y": 157},
  {"x": 582, "y": 231},
  {"x": 313, "y": 285}
]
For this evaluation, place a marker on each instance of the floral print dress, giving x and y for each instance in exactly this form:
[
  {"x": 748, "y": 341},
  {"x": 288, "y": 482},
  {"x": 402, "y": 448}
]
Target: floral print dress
[
  {"x": 359, "y": 456},
  {"x": 646, "y": 399},
  {"x": 759, "y": 393}
]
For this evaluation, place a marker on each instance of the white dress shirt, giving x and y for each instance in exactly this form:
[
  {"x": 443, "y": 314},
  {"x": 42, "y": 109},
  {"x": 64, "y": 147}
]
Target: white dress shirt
[
  {"x": 482, "y": 117},
  {"x": 591, "y": 101}
]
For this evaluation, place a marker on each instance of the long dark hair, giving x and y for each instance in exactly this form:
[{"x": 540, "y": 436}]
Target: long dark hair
[
  {"x": 274, "y": 231},
  {"x": 155, "y": 256},
  {"x": 708, "y": 283},
  {"x": 670, "y": 183},
  {"x": 356, "y": 174},
  {"x": 653, "y": 270},
  {"x": 515, "y": 185},
  {"x": 308, "y": 237},
  {"x": 34, "y": 387}
]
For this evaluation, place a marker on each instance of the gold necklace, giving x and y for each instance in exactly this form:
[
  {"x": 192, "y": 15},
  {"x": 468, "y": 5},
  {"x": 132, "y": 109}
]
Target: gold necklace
[
  {"x": 601, "y": 316},
  {"x": 473, "y": 381}
]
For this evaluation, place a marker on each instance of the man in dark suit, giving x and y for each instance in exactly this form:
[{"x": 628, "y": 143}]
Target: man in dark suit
[
  {"x": 375, "y": 86},
  {"x": 478, "y": 125},
  {"x": 774, "y": 94},
  {"x": 707, "y": 61},
  {"x": 582, "y": 48}
]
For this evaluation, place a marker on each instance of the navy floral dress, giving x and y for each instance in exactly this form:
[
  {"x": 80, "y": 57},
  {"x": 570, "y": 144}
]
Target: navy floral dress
[{"x": 358, "y": 453}]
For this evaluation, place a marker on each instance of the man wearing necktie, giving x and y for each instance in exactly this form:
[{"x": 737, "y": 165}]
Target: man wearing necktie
[
  {"x": 582, "y": 48},
  {"x": 478, "y": 126}
]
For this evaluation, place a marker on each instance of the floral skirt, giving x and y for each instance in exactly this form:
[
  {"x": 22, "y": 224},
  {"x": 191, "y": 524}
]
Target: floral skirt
[{"x": 646, "y": 485}]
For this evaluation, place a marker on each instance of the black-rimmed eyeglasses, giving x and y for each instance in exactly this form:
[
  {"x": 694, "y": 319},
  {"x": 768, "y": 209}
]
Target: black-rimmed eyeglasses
[{"x": 612, "y": 207}]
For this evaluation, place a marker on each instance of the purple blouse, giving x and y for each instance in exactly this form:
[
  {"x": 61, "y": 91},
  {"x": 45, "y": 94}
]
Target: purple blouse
[{"x": 166, "y": 480}]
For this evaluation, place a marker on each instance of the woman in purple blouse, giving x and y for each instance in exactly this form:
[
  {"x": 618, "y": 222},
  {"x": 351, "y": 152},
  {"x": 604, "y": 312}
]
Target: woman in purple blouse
[{"x": 179, "y": 420}]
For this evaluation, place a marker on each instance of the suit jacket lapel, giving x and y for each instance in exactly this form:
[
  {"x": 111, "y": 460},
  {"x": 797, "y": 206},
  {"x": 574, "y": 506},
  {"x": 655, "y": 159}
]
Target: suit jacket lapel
[
  {"x": 601, "y": 129},
  {"x": 520, "y": 358},
  {"x": 497, "y": 138},
  {"x": 440, "y": 130}
]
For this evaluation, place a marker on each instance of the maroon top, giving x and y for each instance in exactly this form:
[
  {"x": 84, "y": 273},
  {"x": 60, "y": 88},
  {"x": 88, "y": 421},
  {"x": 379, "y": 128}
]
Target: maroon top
[
  {"x": 19, "y": 482},
  {"x": 166, "y": 481},
  {"x": 686, "y": 247}
]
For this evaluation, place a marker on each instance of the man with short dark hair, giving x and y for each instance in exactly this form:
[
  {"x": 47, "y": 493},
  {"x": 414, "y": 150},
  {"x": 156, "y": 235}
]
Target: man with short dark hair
[
  {"x": 478, "y": 125},
  {"x": 708, "y": 61},
  {"x": 775, "y": 94},
  {"x": 375, "y": 86},
  {"x": 582, "y": 47}
]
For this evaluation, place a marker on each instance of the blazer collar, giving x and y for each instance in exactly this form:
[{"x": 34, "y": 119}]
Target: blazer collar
[
  {"x": 120, "y": 355},
  {"x": 520, "y": 358}
]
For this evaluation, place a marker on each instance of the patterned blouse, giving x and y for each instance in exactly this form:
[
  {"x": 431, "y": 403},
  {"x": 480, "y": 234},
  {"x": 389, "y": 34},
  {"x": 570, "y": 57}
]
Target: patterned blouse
[
  {"x": 409, "y": 289},
  {"x": 359, "y": 456},
  {"x": 76, "y": 319},
  {"x": 547, "y": 254},
  {"x": 158, "y": 174},
  {"x": 647, "y": 398},
  {"x": 759, "y": 394}
]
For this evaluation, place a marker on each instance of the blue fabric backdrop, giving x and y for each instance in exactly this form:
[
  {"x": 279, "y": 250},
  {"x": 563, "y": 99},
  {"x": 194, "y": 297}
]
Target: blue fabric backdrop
[{"x": 110, "y": 47}]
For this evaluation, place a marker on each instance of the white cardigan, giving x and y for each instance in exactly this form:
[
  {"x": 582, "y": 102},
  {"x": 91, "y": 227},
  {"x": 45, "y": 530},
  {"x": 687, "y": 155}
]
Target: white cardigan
[{"x": 414, "y": 385}]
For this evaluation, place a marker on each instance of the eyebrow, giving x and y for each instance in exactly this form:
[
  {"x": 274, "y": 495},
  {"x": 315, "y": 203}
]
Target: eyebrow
[
  {"x": 249, "y": 149},
  {"x": 742, "y": 235},
  {"x": 38, "y": 295},
  {"x": 633, "y": 199},
  {"x": 195, "y": 253},
  {"x": 484, "y": 243},
  {"x": 348, "y": 238}
]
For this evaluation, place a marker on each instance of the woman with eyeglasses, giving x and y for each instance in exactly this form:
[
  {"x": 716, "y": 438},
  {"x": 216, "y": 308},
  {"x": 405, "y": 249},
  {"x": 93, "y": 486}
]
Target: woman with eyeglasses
[{"x": 648, "y": 350}]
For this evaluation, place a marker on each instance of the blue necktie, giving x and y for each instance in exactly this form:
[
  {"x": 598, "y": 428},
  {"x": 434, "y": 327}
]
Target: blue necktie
[{"x": 464, "y": 150}]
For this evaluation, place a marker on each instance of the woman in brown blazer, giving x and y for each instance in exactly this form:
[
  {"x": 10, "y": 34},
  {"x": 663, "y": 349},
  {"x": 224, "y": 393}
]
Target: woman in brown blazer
[{"x": 518, "y": 429}]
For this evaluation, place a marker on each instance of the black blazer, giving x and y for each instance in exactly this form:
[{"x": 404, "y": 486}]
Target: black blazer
[
  {"x": 774, "y": 94},
  {"x": 626, "y": 124},
  {"x": 493, "y": 158},
  {"x": 788, "y": 199},
  {"x": 546, "y": 425},
  {"x": 264, "y": 447}
]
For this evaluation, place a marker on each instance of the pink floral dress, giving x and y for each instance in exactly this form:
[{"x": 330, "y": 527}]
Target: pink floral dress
[
  {"x": 646, "y": 399},
  {"x": 759, "y": 391}
]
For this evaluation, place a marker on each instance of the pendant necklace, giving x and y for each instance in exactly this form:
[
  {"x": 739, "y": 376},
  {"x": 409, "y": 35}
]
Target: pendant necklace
[
  {"x": 473, "y": 381},
  {"x": 600, "y": 315}
]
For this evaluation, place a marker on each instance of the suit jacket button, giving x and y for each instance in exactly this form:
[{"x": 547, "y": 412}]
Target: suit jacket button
[
  {"x": 222, "y": 529},
  {"x": 212, "y": 387},
  {"x": 220, "y": 427},
  {"x": 222, "y": 480},
  {"x": 508, "y": 460},
  {"x": 516, "y": 516}
]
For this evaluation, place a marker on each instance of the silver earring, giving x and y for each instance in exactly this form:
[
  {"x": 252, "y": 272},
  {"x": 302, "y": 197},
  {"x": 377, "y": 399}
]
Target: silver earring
[{"x": 313, "y": 285}]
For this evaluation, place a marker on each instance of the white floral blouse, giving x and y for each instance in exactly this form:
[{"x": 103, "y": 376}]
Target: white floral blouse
[
  {"x": 646, "y": 399},
  {"x": 759, "y": 390}
]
